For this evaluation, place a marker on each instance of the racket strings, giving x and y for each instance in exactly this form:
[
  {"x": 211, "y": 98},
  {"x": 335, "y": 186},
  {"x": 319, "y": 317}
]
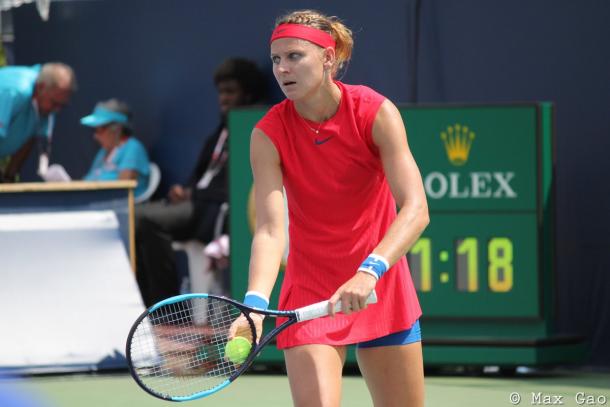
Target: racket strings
[{"x": 178, "y": 349}]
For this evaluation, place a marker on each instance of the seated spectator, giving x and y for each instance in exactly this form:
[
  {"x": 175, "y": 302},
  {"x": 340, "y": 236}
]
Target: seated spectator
[
  {"x": 190, "y": 211},
  {"x": 122, "y": 156},
  {"x": 29, "y": 98}
]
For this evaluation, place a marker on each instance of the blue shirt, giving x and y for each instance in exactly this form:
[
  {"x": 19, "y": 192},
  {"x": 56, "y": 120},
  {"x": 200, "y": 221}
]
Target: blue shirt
[
  {"x": 19, "y": 119},
  {"x": 131, "y": 155}
]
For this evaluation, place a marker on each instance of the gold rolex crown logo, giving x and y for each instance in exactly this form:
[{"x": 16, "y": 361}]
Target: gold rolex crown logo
[{"x": 457, "y": 140}]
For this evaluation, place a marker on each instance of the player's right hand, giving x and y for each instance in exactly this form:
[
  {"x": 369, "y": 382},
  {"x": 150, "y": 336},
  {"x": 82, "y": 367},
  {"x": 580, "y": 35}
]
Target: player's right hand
[{"x": 353, "y": 294}]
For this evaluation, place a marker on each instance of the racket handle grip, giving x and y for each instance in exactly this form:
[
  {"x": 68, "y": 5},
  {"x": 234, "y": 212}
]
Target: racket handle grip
[{"x": 320, "y": 309}]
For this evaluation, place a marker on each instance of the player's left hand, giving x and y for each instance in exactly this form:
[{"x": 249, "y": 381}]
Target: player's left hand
[
  {"x": 353, "y": 294},
  {"x": 241, "y": 327}
]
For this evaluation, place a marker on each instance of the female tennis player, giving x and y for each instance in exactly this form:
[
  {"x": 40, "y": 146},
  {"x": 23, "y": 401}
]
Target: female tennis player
[{"x": 341, "y": 153}]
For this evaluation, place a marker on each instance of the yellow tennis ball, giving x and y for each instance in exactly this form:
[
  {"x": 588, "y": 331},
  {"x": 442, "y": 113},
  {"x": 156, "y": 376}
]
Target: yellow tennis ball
[{"x": 237, "y": 350}]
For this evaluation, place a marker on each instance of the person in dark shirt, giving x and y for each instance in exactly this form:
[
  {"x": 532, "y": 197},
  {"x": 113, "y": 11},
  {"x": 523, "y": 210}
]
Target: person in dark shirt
[{"x": 190, "y": 211}]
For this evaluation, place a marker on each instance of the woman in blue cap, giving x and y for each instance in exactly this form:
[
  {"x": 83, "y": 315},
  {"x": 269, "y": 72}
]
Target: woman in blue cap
[{"x": 122, "y": 156}]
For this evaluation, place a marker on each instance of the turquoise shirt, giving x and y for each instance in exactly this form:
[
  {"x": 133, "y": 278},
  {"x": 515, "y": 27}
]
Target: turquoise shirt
[
  {"x": 19, "y": 119},
  {"x": 131, "y": 155}
]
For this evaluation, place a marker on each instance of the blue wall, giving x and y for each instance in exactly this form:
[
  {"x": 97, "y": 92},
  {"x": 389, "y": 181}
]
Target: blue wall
[{"x": 160, "y": 55}]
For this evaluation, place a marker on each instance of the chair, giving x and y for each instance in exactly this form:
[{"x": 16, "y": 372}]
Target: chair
[{"x": 154, "y": 178}]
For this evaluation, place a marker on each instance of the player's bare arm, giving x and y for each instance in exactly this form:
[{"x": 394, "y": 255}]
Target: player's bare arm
[
  {"x": 269, "y": 236},
  {"x": 405, "y": 182}
]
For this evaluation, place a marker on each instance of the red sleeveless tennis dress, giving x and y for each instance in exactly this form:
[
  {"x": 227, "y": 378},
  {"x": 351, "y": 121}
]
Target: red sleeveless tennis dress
[{"x": 339, "y": 207}]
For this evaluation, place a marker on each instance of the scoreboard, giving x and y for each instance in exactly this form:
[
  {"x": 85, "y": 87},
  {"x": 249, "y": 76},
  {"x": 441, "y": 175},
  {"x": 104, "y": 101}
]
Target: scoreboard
[
  {"x": 479, "y": 255},
  {"x": 483, "y": 268}
]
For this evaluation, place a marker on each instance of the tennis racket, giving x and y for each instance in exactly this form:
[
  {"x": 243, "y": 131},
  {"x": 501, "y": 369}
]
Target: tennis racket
[{"x": 176, "y": 348}]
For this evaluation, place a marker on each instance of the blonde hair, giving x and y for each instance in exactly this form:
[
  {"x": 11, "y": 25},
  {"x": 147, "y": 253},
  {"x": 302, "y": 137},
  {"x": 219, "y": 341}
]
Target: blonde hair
[{"x": 330, "y": 24}]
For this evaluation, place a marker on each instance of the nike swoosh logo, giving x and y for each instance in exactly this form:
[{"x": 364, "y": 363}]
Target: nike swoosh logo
[{"x": 318, "y": 142}]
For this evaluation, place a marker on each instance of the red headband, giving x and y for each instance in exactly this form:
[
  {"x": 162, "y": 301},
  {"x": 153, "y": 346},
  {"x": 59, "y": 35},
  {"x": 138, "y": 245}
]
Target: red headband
[{"x": 318, "y": 37}]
